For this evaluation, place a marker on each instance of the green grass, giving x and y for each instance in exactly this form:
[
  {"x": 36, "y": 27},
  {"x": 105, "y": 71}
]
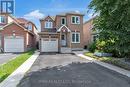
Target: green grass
[
  {"x": 110, "y": 60},
  {"x": 11, "y": 66}
]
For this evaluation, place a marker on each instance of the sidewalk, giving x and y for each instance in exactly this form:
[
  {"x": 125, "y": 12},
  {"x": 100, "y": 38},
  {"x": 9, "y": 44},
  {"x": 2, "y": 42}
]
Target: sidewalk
[
  {"x": 106, "y": 65},
  {"x": 17, "y": 75}
]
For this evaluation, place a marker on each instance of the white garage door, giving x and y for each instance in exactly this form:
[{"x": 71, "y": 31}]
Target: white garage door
[
  {"x": 49, "y": 45},
  {"x": 13, "y": 44}
]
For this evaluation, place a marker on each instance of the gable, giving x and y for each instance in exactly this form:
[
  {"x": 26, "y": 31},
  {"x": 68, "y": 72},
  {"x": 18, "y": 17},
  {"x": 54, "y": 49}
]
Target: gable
[
  {"x": 63, "y": 29},
  {"x": 13, "y": 26},
  {"x": 47, "y": 18}
]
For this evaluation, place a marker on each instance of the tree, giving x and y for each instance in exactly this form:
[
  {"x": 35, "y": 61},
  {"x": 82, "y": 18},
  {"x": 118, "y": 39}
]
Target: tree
[{"x": 114, "y": 24}]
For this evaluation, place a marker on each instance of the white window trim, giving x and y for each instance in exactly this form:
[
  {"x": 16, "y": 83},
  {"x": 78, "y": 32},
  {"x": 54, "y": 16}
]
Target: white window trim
[
  {"x": 75, "y": 19},
  {"x": 75, "y": 37},
  {"x": 50, "y": 24},
  {"x": 64, "y": 19}
]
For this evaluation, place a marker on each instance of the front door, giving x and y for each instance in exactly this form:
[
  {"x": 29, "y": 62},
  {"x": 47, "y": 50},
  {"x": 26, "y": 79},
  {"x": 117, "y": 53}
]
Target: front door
[{"x": 63, "y": 39}]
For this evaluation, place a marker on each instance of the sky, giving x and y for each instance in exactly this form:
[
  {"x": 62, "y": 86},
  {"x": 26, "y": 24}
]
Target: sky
[{"x": 34, "y": 10}]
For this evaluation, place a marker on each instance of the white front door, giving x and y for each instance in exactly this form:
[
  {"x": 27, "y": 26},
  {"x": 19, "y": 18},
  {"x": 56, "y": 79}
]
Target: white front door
[{"x": 63, "y": 39}]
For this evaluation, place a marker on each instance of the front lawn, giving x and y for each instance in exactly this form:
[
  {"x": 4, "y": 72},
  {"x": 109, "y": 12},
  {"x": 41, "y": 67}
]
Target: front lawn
[
  {"x": 111, "y": 60},
  {"x": 11, "y": 66}
]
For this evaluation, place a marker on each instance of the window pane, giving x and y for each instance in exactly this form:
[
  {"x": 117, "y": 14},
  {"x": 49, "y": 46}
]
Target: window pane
[
  {"x": 73, "y": 37},
  {"x": 77, "y": 37},
  {"x": 2, "y": 19},
  {"x": 77, "y": 20},
  {"x": 48, "y": 24},
  {"x": 63, "y": 21},
  {"x": 73, "y": 19}
]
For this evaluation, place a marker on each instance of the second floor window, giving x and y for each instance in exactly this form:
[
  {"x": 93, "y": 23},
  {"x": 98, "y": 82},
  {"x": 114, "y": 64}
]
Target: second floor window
[
  {"x": 2, "y": 19},
  {"x": 29, "y": 27},
  {"x": 48, "y": 24},
  {"x": 75, "y": 20},
  {"x": 63, "y": 21}
]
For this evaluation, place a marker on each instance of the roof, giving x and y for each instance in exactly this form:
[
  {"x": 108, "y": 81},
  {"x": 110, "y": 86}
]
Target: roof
[
  {"x": 16, "y": 24},
  {"x": 71, "y": 12},
  {"x": 90, "y": 19},
  {"x": 52, "y": 17},
  {"x": 22, "y": 20},
  {"x": 63, "y": 14}
]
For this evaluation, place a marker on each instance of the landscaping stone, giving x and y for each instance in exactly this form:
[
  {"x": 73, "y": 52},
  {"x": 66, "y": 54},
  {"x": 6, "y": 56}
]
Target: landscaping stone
[{"x": 102, "y": 54}]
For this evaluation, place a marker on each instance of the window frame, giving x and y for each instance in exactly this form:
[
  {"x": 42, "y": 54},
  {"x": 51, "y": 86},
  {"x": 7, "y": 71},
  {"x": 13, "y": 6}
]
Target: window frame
[
  {"x": 75, "y": 18},
  {"x": 4, "y": 19},
  {"x": 75, "y": 34},
  {"x": 64, "y": 20},
  {"x": 30, "y": 27},
  {"x": 48, "y": 24}
]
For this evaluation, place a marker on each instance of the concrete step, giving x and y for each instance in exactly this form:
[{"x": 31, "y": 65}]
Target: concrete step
[{"x": 66, "y": 50}]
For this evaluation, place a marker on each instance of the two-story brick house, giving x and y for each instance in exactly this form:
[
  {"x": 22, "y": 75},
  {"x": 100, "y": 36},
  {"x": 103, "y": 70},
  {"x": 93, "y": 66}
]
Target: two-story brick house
[
  {"x": 16, "y": 34},
  {"x": 62, "y": 33}
]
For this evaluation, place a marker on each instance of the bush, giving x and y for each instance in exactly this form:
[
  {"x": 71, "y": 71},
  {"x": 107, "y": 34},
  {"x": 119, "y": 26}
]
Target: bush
[{"x": 92, "y": 47}]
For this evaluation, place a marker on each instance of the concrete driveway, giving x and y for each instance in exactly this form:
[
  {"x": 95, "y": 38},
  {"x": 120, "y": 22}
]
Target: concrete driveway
[
  {"x": 6, "y": 57},
  {"x": 67, "y": 70}
]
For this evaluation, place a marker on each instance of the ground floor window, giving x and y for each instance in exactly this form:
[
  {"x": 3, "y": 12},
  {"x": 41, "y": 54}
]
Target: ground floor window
[{"x": 75, "y": 37}]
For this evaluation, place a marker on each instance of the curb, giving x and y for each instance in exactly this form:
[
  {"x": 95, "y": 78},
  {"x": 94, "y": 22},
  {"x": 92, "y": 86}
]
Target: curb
[{"x": 18, "y": 74}]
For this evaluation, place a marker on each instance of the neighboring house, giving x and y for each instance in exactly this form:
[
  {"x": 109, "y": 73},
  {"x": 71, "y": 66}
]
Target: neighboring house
[
  {"x": 62, "y": 33},
  {"x": 90, "y": 34},
  {"x": 16, "y": 34}
]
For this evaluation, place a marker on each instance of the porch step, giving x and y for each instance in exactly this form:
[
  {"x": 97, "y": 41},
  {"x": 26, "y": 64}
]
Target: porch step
[{"x": 66, "y": 50}]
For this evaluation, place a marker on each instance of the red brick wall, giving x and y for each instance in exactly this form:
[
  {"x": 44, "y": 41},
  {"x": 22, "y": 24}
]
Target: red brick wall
[
  {"x": 87, "y": 32},
  {"x": 8, "y": 31}
]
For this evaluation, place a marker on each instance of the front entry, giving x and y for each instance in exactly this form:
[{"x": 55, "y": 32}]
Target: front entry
[{"x": 63, "y": 40}]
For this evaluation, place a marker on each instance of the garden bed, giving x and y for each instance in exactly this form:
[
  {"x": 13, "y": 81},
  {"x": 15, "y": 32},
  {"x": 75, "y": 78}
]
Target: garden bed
[
  {"x": 11, "y": 66},
  {"x": 120, "y": 62}
]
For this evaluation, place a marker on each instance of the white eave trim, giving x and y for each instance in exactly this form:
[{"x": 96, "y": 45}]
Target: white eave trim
[{"x": 59, "y": 30}]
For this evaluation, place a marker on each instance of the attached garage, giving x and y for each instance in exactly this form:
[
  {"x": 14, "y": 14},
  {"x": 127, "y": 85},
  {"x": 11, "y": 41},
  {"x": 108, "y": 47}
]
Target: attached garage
[
  {"x": 14, "y": 44},
  {"x": 49, "y": 45}
]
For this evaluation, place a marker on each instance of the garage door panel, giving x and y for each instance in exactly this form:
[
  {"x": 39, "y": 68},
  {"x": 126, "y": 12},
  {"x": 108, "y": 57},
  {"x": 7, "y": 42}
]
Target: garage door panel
[
  {"x": 14, "y": 45},
  {"x": 49, "y": 45}
]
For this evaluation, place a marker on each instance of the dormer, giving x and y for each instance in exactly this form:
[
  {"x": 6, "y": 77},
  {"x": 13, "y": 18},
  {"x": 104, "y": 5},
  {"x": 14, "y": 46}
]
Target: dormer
[{"x": 29, "y": 26}]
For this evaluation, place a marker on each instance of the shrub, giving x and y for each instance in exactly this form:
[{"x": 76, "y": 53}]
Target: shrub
[{"x": 92, "y": 47}]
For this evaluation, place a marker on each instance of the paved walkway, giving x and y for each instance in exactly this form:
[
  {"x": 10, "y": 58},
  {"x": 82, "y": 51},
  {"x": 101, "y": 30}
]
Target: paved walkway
[
  {"x": 17, "y": 75},
  {"x": 67, "y": 70}
]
